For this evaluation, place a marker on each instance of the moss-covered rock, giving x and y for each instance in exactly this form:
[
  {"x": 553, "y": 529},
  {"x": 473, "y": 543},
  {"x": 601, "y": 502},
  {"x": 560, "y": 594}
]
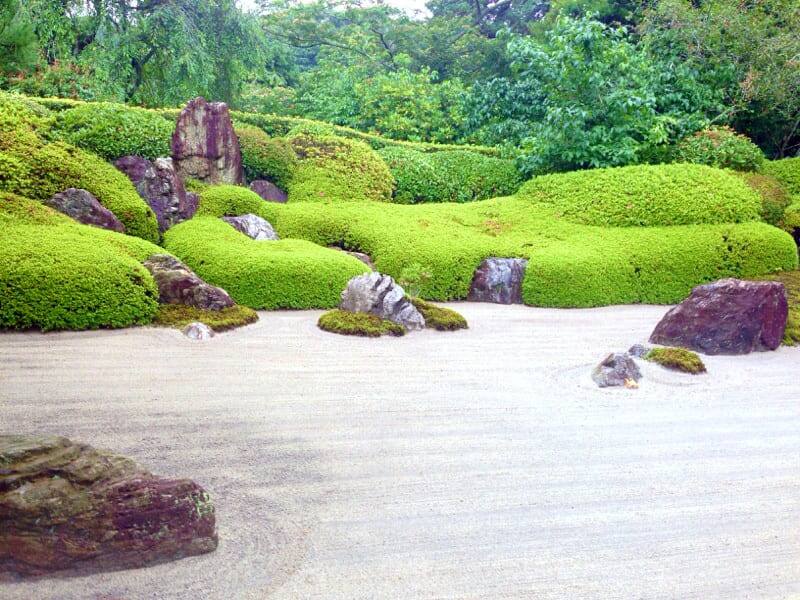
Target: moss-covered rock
[
  {"x": 358, "y": 323},
  {"x": 438, "y": 317},
  {"x": 178, "y": 316},
  {"x": 677, "y": 359}
]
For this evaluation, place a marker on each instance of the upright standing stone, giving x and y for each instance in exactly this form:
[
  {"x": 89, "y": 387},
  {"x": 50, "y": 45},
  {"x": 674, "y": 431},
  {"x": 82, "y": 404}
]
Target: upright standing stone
[
  {"x": 204, "y": 145},
  {"x": 379, "y": 295}
]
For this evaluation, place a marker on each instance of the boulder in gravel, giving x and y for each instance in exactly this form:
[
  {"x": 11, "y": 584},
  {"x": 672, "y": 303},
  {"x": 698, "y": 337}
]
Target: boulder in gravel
[
  {"x": 82, "y": 206},
  {"x": 198, "y": 331},
  {"x": 729, "y": 316},
  {"x": 379, "y": 295},
  {"x": 268, "y": 191},
  {"x": 639, "y": 350},
  {"x": 616, "y": 369},
  {"x": 204, "y": 145},
  {"x": 177, "y": 284},
  {"x": 65, "y": 505},
  {"x": 252, "y": 226},
  {"x": 498, "y": 280},
  {"x": 159, "y": 185}
]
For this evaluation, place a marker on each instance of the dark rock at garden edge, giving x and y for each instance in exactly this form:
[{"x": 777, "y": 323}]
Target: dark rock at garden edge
[
  {"x": 379, "y": 295},
  {"x": 615, "y": 369},
  {"x": 364, "y": 258},
  {"x": 498, "y": 280},
  {"x": 82, "y": 206},
  {"x": 728, "y": 316},
  {"x": 268, "y": 191},
  {"x": 639, "y": 350},
  {"x": 204, "y": 145},
  {"x": 159, "y": 184},
  {"x": 198, "y": 331},
  {"x": 65, "y": 505},
  {"x": 177, "y": 284},
  {"x": 252, "y": 226}
]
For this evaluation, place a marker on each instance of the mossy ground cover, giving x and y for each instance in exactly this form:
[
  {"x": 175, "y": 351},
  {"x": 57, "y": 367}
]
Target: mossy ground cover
[
  {"x": 179, "y": 316},
  {"x": 677, "y": 359},
  {"x": 439, "y": 317},
  {"x": 358, "y": 323}
]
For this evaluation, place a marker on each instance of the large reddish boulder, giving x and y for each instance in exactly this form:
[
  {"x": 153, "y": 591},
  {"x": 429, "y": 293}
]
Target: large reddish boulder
[
  {"x": 498, "y": 280},
  {"x": 728, "y": 316},
  {"x": 204, "y": 145},
  {"x": 65, "y": 505},
  {"x": 159, "y": 185},
  {"x": 268, "y": 191},
  {"x": 82, "y": 206},
  {"x": 178, "y": 284}
]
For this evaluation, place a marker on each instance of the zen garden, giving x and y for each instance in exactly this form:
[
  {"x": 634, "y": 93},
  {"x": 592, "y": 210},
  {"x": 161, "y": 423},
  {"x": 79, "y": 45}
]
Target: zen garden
[{"x": 399, "y": 299}]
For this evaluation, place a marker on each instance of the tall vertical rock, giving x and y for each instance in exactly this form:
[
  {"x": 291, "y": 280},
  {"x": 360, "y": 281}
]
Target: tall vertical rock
[{"x": 204, "y": 145}]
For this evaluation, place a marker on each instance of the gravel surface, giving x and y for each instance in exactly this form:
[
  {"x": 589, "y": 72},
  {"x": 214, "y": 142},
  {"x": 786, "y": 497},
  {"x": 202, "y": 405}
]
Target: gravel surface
[{"x": 476, "y": 464}]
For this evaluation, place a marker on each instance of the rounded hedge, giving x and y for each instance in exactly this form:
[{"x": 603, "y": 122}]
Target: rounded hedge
[
  {"x": 230, "y": 201},
  {"x": 262, "y": 274},
  {"x": 115, "y": 130},
  {"x": 774, "y": 197},
  {"x": 787, "y": 171},
  {"x": 264, "y": 157},
  {"x": 58, "y": 274},
  {"x": 472, "y": 176},
  {"x": 720, "y": 147},
  {"x": 416, "y": 179},
  {"x": 646, "y": 195}
]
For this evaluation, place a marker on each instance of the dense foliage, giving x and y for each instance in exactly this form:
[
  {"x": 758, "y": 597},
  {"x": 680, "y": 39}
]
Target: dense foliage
[{"x": 720, "y": 147}]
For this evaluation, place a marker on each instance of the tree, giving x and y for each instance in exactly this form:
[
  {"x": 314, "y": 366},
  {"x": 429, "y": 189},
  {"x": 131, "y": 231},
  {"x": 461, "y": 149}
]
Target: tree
[{"x": 18, "y": 44}]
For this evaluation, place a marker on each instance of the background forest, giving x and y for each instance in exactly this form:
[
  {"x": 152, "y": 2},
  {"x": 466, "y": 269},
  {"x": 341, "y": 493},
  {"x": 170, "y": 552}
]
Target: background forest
[{"x": 558, "y": 85}]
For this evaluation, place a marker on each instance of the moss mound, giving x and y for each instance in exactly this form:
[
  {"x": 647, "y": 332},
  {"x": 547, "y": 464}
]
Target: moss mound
[
  {"x": 264, "y": 157},
  {"x": 179, "y": 316},
  {"x": 790, "y": 280},
  {"x": 787, "y": 171},
  {"x": 334, "y": 168},
  {"x": 438, "y": 317},
  {"x": 646, "y": 196},
  {"x": 281, "y": 274},
  {"x": 362, "y": 324},
  {"x": 416, "y": 179},
  {"x": 720, "y": 147},
  {"x": 58, "y": 274},
  {"x": 229, "y": 200},
  {"x": 114, "y": 130},
  {"x": 677, "y": 359}
]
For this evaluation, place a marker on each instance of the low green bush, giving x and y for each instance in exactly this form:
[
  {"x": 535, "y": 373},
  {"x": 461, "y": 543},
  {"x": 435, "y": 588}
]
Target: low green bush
[
  {"x": 264, "y": 157},
  {"x": 231, "y": 201},
  {"x": 720, "y": 147},
  {"x": 338, "y": 169},
  {"x": 774, "y": 197},
  {"x": 677, "y": 359},
  {"x": 787, "y": 171},
  {"x": 114, "y": 130},
  {"x": 472, "y": 176},
  {"x": 58, "y": 274},
  {"x": 179, "y": 316},
  {"x": 358, "y": 323},
  {"x": 438, "y": 317},
  {"x": 260, "y": 274},
  {"x": 416, "y": 179},
  {"x": 646, "y": 195}
]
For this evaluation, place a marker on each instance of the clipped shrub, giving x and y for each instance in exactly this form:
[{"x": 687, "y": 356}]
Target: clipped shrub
[
  {"x": 472, "y": 176},
  {"x": 646, "y": 195},
  {"x": 358, "y": 323},
  {"x": 787, "y": 171},
  {"x": 416, "y": 179},
  {"x": 280, "y": 274},
  {"x": 114, "y": 130},
  {"x": 438, "y": 317},
  {"x": 231, "y": 200},
  {"x": 774, "y": 197},
  {"x": 264, "y": 157},
  {"x": 720, "y": 147},
  {"x": 677, "y": 359},
  {"x": 58, "y": 274},
  {"x": 179, "y": 316},
  {"x": 333, "y": 168}
]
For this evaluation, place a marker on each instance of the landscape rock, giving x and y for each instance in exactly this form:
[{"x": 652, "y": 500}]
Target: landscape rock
[
  {"x": 364, "y": 258},
  {"x": 379, "y": 295},
  {"x": 729, "y": 316},
  {"x": 204, "y": 145},
  {"x": 65, "y": 505},
  {"x": 177, "y": 284},
  {"x": 639, "y": 350},
  {"x": 82, "y": 206},
  {"x": 198, "y": 331},
  {"x": 498, "y": 280},
  {"x": 268, "y": 191},
  {"x": 159, "y": 185},
  {"x": 616, "y": 369},
  {"x": 252, "y": 226}
]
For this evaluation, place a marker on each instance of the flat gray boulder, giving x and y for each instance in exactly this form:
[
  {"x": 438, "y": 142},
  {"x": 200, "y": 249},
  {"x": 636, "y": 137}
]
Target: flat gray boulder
[
  {"x": 198, "y": 331},
  {"x": 381, "y": 296},
  {"x": 252, "y": 226}
]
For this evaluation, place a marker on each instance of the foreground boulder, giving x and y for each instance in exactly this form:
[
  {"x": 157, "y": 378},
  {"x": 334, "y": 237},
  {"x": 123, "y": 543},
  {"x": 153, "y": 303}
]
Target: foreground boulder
[
  {"x": 616, "y": 369},
  {"x": 177, "y": 284},
  {"x": 198, "y": 331},
  {"x": 159, "y": 185},
  {"x": 204, "y": 145},
  {"x": 498, "y": 280},
  {"x": 728, "y": 316},
  {"x": 82, "y": 206},
  {"x": 268, "y": 191},
  {"x": 65, "y": 505},
  {"x": 252, "y": 226},
  {"x": 379, "y": 295}
]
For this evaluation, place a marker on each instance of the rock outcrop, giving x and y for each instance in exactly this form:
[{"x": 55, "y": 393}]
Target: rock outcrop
[
  {"x": 379, "y": 295},
  {"x": 616, "y": 369},
  {"x": 252, "y": 226},
  {"x": 204, "y": 145},
  {"x": 268, "y": 191},
  {"x": 158, "y": 183},
  {"x": 177, "y": 284},
  {"x": 65, "y": 505},
  {"x": 728, "y": 316},
  {"x": 198, "y": 331},
  {"x": 82, "y": 206},
  {"x": 364, "y": 258},
  {"x": 498, "y": 280}
]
